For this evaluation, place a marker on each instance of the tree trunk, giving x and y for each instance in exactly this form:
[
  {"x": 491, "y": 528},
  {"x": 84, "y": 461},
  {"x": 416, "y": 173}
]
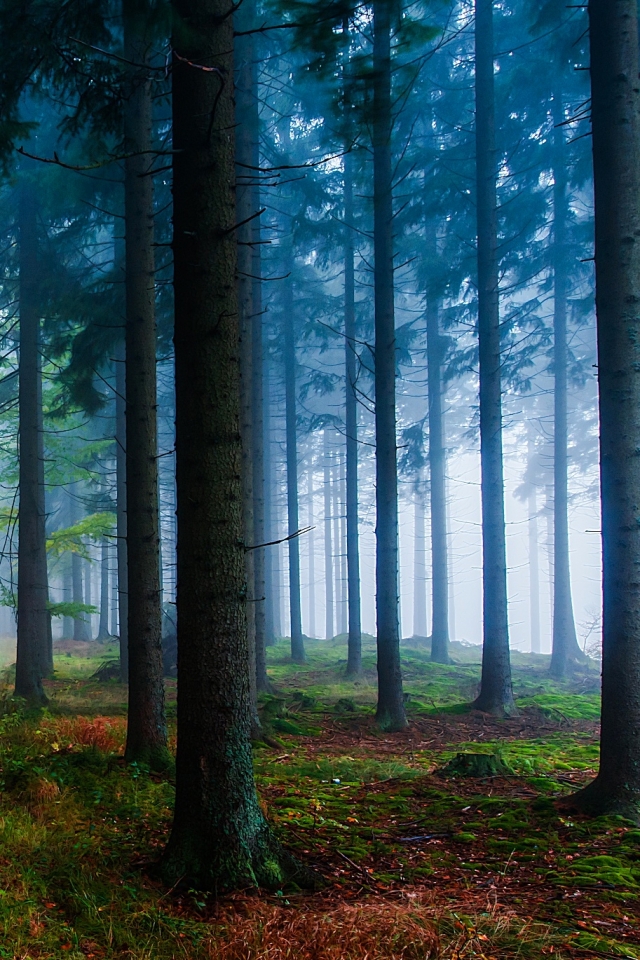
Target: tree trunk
[
  {"x": 146, "y": 723},
  {"x": 437, "y": 470},
  {"x": 354, "y": 655},
  {"x": 496, "y": 695},
  {"x": 271, "y": 553},
  {"x": 534, "y": 567},
  {"x": 32, "y": 583},
  {"x": 262, "y": 622},
  {"x": 103, "y": 626},
  {"x": 390, "y": 709},
  {"x": 243, "y": 53},
  {"x": 80, "y": 626},
  {"x": 312, "y": 550},
  {"x": 419, "y": 561},
  {"x": 297, "y": 641},
  {"x": 328, "y": 547},
  {"x": 220, "y": 839},
  {"x": 121, "y": 514},
  {"x": 616, "y": 155},
  {"x": 565, "y": 647}
]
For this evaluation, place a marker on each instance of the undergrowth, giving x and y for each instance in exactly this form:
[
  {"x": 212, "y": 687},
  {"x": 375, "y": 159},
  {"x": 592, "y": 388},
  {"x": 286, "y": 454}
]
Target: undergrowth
[{"x": 419, "y": 862}]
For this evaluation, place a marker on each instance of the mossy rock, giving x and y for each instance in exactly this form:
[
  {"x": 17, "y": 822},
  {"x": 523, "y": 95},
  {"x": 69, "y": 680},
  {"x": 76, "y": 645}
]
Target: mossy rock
[{"x": 476, "y": 765}]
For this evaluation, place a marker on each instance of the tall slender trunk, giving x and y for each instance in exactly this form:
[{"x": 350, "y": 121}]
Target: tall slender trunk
[
  {"x": 121, "y": 515},
  {"x": 32, "y": 584},
  {"x": 390, "y": 709},
  {"x": 496, "y": 694},
  {"x": 565, "y": 644},
  {"x": 437, "y": 470},
  {"x": 419, "y": 561},
  {"x": 297, "y": 641},
  {"x": 616, "y": 154},
  {"x": 46, "y": 650},
  {"x": 146, "y": 723},
  {"x": 103, "y": 626},
  {"x": 80, "y": 626},
  {"x": 336, "y": 510},
  {"x": 354, "y": 654},
  {"x": 534, "y": 574},
  {"x": 220, "y": 839},
  {"x": 328, "y": 546},
  {"x": 312, "y": 550}
]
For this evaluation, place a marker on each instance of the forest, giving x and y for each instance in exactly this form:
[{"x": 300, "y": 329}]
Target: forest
[{"x": 319, "y": 479}]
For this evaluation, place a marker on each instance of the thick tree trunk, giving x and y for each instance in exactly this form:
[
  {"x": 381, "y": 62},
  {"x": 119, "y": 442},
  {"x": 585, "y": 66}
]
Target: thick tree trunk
[
  {"x": 146, "y": 724},
  {"x": 121, "y": 515},
  {"x": 103, "y": 626},
  {"x": 243, "y": 53},
  {"x": 220, "y": 839},
  {"x": 354, "y": 654},
  {"x": 328, "y": 546},
  {"x": 565, "y": 647},
  {"x": 32, "y": 582},
  {"x": 295, "y": 608},
  {"x": 437, "y": 471},
  {"x": 496, "y": 695},
  {"x": 390, "y": 709},
  {"x": 616, "y": 155},
  {"x": 419, "y": 561}
]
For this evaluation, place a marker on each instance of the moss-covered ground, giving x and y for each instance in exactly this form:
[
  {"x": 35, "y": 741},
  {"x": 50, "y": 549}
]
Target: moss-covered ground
[{"x": 419, "y": 861}]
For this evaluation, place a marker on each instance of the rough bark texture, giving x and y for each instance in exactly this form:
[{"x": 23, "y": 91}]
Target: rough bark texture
[
  {"x": 616, "y": 155},
  {"x": 354, "y": 649},
  {"x": 565, "y": 647},
  {"x": 32, "y": 582},
  {"x": 243, "y": 53},
  {"x": 121, "y": 513},
  {"x": 220, "y": 839},
  {"x": 390, "y": 709},
  {"x": 146, "y": 723},
  {"x": 289, "y": 351},
  {"x": 496, "y": 694}
]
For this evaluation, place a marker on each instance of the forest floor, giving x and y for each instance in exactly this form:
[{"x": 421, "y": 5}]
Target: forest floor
[{"x": 419, "y": 861}]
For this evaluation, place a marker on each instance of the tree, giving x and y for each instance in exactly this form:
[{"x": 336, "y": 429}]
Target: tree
[
  {"x": 496, "y": 695},
  {"x": 146, "y": 725},
  {"x": 616, "y": 162},
  {"x": 390, "y": 708},
  {"x": 32, "y": 560},
  {"x": 220, "y": 839}
]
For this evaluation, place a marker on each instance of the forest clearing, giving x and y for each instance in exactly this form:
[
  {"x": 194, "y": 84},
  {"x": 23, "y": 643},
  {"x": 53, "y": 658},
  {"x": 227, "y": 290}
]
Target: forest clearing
[{"x": 416, "y": 859}]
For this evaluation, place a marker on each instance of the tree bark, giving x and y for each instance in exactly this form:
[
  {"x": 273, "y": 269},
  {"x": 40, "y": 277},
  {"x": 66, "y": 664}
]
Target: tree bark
[
  {"x": 312, "y": 550},
  {"x": 243, "y": 54},
  {"x": 419, "y": 561},
  {"x": 220, "y": 839},
  {"x": 146, "y": 723},
  {"x": 616, "y": 156},
  {"x": 328, "y": 546},
  {"x": 121, "y": 513},
  {"x": 295, "y": 608},
  {"x": 437, "y": 470},
  {"x": 103, "y": 626},
  {"x": 354, "y": 646},
  {"x": 565, "y": 649},
  {"x": 271, "y": 553},
  {"x": 390, "y": 708},
  {"x": 32, "y": 583},
  {"x": 534, "y": 567},
  {"x": 496, "y": 695}
]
